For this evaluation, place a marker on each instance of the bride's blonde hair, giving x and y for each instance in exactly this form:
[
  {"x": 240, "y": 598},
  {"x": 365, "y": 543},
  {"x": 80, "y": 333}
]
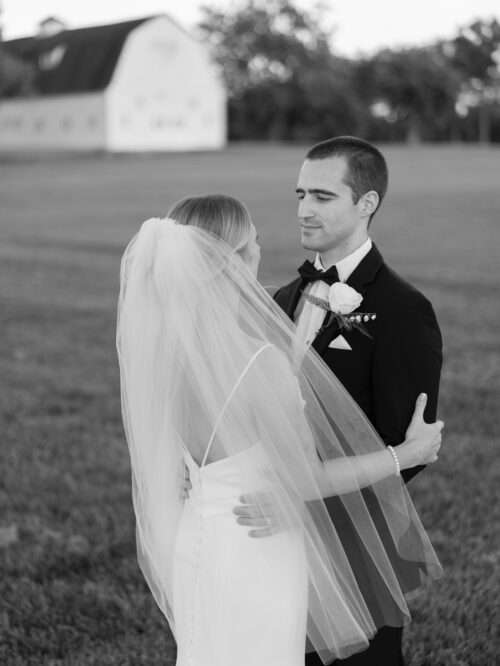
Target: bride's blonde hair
[{"x": 221, "y": 215}]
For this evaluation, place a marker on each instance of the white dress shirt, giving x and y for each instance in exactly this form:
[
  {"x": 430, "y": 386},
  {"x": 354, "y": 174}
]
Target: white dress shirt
[{"x": 309, "y": 317}]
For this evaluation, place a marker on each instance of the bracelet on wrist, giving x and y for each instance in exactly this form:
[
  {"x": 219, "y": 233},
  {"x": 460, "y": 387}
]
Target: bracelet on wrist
[{"x": 396, "y": 460}]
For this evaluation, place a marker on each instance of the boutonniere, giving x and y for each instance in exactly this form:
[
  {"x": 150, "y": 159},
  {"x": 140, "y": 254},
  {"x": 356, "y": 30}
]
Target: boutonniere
[{"x": 341, "y": 303}]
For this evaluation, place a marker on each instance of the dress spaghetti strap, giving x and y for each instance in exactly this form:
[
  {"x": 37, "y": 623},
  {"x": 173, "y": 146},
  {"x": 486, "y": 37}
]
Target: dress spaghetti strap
[{"x": 228, "y": 400}]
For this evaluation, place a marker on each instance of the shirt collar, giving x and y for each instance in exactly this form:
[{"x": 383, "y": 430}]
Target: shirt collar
[{"x": 347, "y": 265}]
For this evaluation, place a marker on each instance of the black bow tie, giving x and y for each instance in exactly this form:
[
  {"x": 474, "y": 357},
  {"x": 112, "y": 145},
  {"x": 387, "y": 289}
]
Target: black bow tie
[{"x": 310, "y": 273}]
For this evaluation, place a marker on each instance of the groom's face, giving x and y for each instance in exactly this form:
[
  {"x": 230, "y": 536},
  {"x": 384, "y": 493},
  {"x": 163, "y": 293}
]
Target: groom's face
[{"x": 328, "y": 216}]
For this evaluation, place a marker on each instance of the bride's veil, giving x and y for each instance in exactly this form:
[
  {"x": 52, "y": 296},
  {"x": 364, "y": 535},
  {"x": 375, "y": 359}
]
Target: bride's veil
[{"x": 204, "y": 350}]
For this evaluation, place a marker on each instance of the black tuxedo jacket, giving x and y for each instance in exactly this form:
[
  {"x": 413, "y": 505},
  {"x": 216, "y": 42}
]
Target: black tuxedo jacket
[{"x": 384, "y": 373}]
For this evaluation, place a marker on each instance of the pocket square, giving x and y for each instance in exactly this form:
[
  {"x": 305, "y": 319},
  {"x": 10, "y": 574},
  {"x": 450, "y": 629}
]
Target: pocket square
[{"x": 340, "y": 343}]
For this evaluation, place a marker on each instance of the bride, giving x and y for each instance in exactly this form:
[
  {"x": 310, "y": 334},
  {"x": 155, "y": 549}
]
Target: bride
[{"x": 214, "y": 378}]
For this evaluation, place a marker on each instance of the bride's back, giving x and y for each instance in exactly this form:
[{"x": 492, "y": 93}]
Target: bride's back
[{"x": 226, "y": 424}]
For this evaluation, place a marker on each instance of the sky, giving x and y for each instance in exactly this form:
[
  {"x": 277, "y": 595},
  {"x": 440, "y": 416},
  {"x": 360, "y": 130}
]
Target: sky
[{"x": 361, "y": 25}]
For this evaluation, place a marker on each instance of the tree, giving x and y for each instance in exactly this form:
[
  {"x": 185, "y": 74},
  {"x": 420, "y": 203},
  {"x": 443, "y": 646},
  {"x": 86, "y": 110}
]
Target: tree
[
  {"x": 282, "y": 78},
  {"x": 413, "y": 89},
  {"x": 475, "y": 56},
  {"x": 16, "y": 76},
  {"x": 285, "y": 82}
]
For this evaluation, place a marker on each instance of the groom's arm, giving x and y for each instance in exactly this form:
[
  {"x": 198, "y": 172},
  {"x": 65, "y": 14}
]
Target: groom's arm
[{"x": 407, "y": 361}]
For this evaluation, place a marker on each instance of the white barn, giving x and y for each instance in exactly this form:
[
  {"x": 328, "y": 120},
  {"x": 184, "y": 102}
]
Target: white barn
[{"x": 143, "y": 85}]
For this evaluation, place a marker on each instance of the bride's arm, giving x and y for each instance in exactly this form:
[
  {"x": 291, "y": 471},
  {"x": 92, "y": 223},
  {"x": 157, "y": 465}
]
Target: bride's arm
[
  {"x": 344, "y": 475},
  {"x": 284, "y": 425}
]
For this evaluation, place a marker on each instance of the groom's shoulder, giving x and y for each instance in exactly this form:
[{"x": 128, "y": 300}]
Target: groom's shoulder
[
  {"x": 397, "y": 291},
  {"x": 403, "y": 310}
]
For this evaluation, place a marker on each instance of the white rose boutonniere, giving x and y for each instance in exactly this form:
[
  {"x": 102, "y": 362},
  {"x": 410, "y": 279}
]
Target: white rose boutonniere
[
  {"x": 343, "y": 299},
  {"x": 341, "y": 303}
]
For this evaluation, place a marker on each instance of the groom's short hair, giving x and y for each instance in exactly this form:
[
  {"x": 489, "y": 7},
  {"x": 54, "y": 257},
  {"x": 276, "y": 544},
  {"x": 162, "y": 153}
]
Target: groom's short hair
[{"x": 366, "y": 166}]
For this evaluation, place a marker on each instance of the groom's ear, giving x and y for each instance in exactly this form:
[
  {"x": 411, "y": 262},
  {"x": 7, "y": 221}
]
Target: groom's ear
[{"x": 368, "y": 203}]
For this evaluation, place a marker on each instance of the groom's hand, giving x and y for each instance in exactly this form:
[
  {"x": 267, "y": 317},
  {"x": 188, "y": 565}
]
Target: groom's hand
[{"x": 257, "y": 510}]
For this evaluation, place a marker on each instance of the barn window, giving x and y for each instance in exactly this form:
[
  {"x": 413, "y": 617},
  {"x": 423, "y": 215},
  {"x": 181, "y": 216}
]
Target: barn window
[
  {"x": 67, "y": 123},
  {"x": 39, "y": 124},
  {"x": 53, "y": 58},
  {"x": 10, "y": 122}
]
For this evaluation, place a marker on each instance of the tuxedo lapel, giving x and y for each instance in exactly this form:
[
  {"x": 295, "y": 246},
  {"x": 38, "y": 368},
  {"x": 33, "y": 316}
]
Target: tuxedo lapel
[
  {"x": 366, "y": 271},
  {"x": 291, "y": 297},
  {"x": 362, "y": 276}
]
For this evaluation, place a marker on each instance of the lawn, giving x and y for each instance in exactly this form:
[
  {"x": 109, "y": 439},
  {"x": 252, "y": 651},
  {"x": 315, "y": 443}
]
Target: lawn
[{"x": 70, "y": 590}]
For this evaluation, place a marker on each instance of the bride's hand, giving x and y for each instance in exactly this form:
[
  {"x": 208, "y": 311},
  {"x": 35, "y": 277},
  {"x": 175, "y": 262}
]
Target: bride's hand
[{"x": 423, "y": 440}]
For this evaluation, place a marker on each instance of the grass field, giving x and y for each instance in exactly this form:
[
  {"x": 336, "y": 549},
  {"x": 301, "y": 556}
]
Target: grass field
[{"x": 70, "y": 590}]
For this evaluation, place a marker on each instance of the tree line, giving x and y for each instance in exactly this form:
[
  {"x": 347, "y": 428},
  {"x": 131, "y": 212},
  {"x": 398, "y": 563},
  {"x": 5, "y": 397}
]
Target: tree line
[{"x": 286, "y": 82}]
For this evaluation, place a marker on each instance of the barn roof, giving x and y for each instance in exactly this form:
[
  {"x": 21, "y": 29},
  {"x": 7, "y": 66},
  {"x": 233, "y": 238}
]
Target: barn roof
[{"x": 74, "y": 61}]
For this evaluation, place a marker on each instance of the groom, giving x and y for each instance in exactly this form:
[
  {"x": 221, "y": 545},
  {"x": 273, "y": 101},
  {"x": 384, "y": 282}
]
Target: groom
[{"x": 341, "y": 185}]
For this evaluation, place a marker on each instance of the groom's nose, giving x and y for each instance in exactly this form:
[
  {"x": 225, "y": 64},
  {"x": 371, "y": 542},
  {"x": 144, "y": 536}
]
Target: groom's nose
[{"x": 304, "y": 211}]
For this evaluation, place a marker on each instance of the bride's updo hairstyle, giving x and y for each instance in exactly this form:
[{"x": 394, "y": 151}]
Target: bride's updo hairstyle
[{"x": 223, "y": 216}]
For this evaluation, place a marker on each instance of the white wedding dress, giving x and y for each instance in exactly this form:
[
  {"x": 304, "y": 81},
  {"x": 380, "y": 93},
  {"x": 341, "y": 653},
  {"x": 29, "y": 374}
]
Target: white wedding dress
[{"x": 238, "y": 600}]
